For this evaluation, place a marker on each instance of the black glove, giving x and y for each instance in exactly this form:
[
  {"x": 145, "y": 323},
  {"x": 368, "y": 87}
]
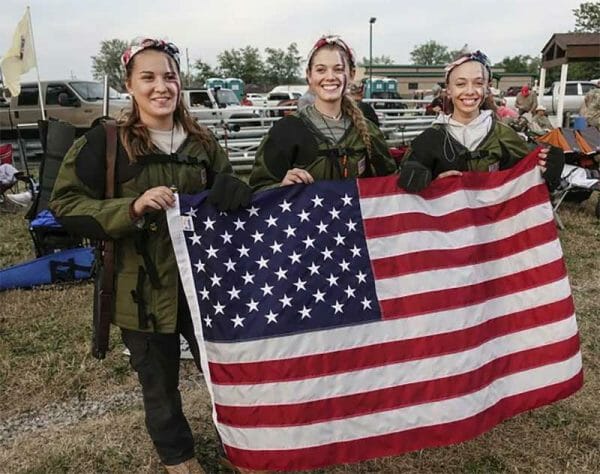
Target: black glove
[
  {"x": 554, "y": 166},
  {"x": 414, "y": 176},
  {"x": 229, "y": 193}
]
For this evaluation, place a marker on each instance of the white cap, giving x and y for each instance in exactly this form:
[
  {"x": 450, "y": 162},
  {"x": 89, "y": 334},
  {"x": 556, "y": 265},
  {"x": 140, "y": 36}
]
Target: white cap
[{"x": 540, "y": 107}]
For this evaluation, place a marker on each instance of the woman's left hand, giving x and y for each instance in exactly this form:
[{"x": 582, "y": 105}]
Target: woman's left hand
[{"x": 542, "y": 158}]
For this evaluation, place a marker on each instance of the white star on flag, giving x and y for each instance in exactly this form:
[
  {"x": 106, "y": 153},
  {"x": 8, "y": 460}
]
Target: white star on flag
[
  {"x": 271, "y": 317},
  {"x": 285, "y": 206},
  {"x": 209, "y": 223},
  {"x": 237, "y": 321},
  {"x": 230, "y": 265}
]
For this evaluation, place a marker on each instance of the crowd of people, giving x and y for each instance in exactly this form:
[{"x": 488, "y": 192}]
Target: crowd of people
[{"x": 160, "y": 149}]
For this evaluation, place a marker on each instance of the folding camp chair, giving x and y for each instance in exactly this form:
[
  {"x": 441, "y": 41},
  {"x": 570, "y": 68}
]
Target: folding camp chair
[{"x": 47, "y": 234}]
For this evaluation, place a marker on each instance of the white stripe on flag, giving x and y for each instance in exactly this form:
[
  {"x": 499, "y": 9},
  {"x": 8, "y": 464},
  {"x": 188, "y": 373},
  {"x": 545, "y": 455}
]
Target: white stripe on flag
[
  {"x": 349, "y": 337},
  {"x": 456, "y": 277},
  {"x": 393, "y": 375},
  {"x": 394, "y": 421},
  {"x": 477, "y": 198},
  {"x": 409, "y": 242}
]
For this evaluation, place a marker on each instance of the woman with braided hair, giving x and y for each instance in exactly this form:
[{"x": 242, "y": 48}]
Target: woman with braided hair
[{"x": 329, "y": 139}]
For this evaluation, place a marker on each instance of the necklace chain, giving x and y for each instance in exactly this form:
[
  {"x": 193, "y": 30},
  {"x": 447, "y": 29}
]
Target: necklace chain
[{"x": 331, "y": 134}]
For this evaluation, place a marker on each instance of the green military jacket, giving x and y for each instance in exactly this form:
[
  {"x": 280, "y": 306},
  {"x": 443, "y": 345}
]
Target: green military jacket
[
  {"x": 146, "y": 276},
  {"x": 293, "y": 142},
  {"x": 438, "y": 151}
]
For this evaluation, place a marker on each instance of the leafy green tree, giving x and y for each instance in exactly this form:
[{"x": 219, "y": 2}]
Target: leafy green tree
[
  {"x": 431, "y": 53},
  {"x": 202, "y": 71},
  {"x": 245, "y": 64},
  {"x": 382, "y": 60},
  {"x": 587, "y": 17},
  {"x": 282, "y": 67},
  {"x": 520, "y": 63},
  {"x": 108, "y": 62}
]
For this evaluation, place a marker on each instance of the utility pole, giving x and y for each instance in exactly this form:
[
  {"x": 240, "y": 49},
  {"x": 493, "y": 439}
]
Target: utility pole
[{"x": 371, "y": 21}]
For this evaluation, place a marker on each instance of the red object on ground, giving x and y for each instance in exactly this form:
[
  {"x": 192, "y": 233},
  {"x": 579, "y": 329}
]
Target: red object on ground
[{"x": 6, "y": 154}]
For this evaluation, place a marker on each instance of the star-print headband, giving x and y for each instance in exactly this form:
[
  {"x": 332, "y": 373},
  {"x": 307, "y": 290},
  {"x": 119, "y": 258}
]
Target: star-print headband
[
  {"x": 140, "y": 44},
  {"x": 476, "y": 56},
  {"x": 333, "y": 40}
]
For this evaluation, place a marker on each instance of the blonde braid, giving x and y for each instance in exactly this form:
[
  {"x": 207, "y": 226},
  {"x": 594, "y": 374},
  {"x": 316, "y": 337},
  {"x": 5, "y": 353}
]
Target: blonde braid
[{"x": 350, "y": 108}]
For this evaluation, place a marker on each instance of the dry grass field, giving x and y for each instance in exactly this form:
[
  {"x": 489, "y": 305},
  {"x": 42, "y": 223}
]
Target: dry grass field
[{"x": 63, "y": 412}]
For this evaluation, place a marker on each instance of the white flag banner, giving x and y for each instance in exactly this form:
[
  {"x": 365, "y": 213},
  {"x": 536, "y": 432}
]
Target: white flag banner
[{"x": 20, "y": 57}]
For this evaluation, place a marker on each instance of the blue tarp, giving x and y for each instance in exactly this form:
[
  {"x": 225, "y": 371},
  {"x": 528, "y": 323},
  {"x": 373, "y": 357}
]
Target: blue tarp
[{"x": 66, "y": 265}]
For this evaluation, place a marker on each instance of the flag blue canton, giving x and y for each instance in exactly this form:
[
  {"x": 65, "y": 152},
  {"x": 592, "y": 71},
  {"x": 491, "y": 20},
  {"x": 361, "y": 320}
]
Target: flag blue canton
[{"x": 291, "y": 262}]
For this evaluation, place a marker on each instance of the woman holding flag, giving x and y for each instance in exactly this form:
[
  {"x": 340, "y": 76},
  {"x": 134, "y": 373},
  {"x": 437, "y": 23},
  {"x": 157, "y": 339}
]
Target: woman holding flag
[
  {"x": 470, "y": 138},
  {"x": 329, "y": 139},
  {"x": 160, "y": 147}
]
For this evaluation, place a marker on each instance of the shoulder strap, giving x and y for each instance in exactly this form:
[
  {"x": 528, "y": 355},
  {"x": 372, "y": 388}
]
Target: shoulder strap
[{"x": 111, "y": 158}]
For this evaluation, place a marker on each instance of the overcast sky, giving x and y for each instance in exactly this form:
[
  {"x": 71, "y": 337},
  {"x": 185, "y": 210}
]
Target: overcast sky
[{"x": 68, "y": 32}]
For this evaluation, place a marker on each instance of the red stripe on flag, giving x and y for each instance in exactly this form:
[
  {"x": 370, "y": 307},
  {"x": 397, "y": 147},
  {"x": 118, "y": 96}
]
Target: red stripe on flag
[
  {"x": 460, "y": 219},
  {"x": 379, "y": 187},
  {"x": 388, "y": 267},
  {"x": 440, "y": 300},
  {"x": 397, "y": 397},
  {"x": 398, "y": 443},
  {"x": 317, "y": 365}
]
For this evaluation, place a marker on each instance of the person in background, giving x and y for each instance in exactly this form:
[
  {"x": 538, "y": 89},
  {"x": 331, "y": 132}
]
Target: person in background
[
  {"x": 436, "y": 106},
  {"x": 356, "y": 91},
  {"x": 470, "y": 138},
  {"x": 330, "y": 139},
  {"x": 505, "y": 113},
  {"x": 526, "y": 100},
  {"x": 246, "y": 101},
  {"x": 159, "y": 146},
  {"x": 540, "y": 123},
  {"x": 590, "y": 109}
]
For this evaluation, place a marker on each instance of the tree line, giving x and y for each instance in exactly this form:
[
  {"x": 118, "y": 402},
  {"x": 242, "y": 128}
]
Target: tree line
[
  {"x": 284, "y": 66},
  {"x": 279, "y": 66}
]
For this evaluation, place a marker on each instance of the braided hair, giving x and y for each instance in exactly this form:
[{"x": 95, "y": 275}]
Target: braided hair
[{"x": 348, "y": 105}]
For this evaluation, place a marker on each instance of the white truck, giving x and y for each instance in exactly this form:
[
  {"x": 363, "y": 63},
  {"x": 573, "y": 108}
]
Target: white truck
[
  {"x": 213, "y": 106},
  {"x": 574, "y": 94}
]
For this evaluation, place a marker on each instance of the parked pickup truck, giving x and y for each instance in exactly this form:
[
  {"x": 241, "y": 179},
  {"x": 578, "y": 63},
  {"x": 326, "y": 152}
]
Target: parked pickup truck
[
  {"x": 216, "y": 105},
  {"x": 574, "y": 94},
  {"x": 74, "y": 101}
]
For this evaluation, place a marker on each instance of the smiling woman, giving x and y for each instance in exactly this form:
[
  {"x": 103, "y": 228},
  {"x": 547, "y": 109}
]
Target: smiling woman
[
  {"x": 158, "y": 146},
  {"x": 329, "y": 139},
  {"x": 469, "y": 138}
]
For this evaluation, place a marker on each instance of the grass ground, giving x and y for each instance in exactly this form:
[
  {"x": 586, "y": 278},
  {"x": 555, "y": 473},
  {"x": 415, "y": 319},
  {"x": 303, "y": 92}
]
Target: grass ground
[{"x": 45, "y": 369}]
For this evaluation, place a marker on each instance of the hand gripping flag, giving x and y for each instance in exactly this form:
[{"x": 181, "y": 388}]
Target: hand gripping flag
[{"x": 342, "y": 321}]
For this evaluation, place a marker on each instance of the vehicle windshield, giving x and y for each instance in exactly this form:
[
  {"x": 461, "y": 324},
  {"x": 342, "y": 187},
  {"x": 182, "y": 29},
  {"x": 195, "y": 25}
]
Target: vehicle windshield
[
  {"x": 92, "y": 91},
  {"x": 227, "y": 97}
]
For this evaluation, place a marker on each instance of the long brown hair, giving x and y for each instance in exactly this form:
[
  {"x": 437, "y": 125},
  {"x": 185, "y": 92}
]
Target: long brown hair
[
  {"x": 348, "y": 105},
  {"x": 134, "y": 134}
]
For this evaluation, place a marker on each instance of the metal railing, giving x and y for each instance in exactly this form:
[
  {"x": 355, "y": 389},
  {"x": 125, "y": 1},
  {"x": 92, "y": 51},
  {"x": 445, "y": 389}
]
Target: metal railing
[{"x": 242, "y": 137}]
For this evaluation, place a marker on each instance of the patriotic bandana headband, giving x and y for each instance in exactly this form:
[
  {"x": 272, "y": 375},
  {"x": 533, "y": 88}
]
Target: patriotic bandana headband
[
  {"x": 144, "y": 43},
  {"x": 333, "y": 40},
  {"x": 476, "y": 56}
]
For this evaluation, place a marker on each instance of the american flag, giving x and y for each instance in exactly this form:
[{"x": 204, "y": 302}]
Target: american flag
[{"x": 342, "y": 321}]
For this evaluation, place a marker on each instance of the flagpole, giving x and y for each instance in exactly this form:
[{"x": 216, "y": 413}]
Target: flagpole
[{"x": 37, "y": 69}]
